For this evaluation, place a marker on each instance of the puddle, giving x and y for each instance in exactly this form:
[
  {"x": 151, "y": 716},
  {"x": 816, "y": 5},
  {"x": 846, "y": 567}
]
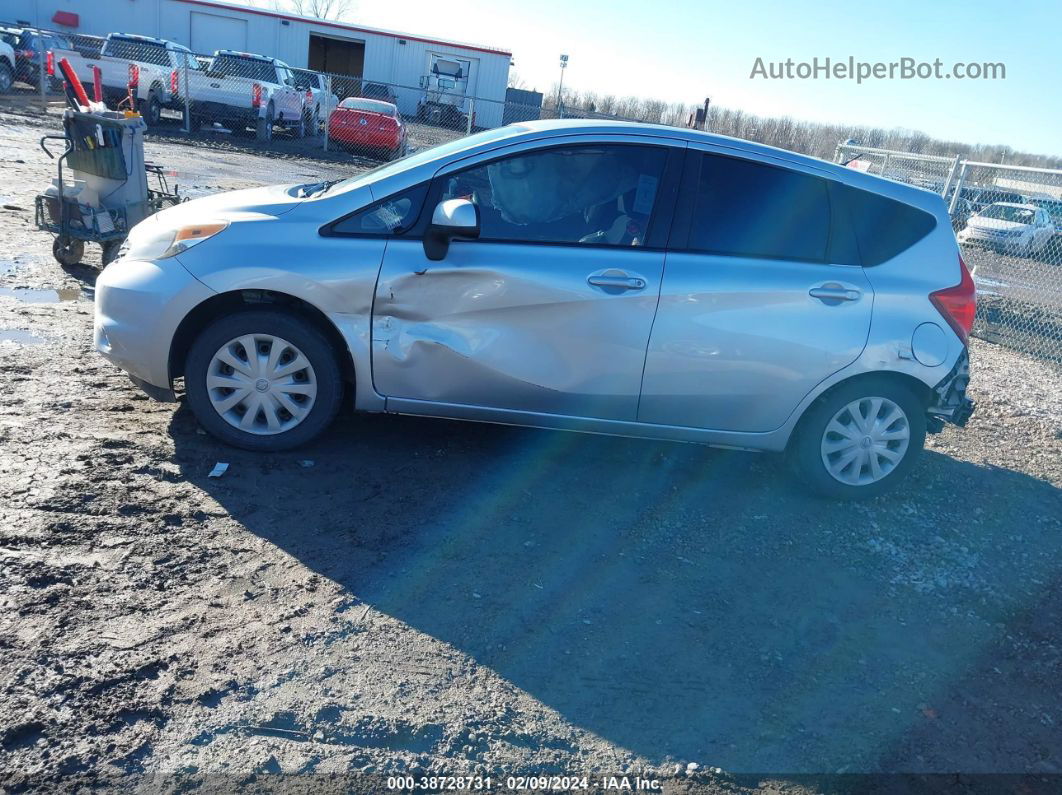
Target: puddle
[
  {"x": 19, "y": 337},
  {"x": 29, "y": 295}
]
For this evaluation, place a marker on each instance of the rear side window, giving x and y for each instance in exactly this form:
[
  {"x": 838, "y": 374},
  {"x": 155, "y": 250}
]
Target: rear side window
[
  {"x": 748, "y": 209},
  {"x": 883, "y": 227}
]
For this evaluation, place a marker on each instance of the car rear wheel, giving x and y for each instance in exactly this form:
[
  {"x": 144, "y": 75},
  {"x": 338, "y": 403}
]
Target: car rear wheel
[
  {"x": 264, "y": 128},
  {"x": 263, "y": 380},
  {"x": 859, "y": 440},
  {"x": 7, "y": 78},
  {"x": 151, "y": 110}
]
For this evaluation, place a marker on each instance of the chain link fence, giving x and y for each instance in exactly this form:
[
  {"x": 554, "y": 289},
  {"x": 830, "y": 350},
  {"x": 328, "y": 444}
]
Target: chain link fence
[
  {"x": 1008, "y": 221},
  {"x": 256, "y": 97}
]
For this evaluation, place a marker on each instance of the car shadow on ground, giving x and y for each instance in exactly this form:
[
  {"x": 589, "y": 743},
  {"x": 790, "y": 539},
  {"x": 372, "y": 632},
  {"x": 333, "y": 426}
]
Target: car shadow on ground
[{"x": 690, "y": 603}]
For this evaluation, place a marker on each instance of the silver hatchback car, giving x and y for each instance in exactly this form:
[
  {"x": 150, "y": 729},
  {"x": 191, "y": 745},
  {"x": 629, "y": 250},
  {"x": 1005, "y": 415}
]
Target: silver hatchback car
[{"x": 612, "y": 278}]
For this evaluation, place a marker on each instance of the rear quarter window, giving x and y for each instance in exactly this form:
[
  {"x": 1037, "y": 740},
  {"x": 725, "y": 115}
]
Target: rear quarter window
[{"x": 883, "y": 227}]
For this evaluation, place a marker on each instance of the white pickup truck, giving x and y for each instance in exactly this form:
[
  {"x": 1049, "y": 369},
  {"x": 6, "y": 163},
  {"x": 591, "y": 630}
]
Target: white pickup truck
[
  {"x": 240, "y": 90},
  {"x": 152, "y": 68},
  {"x": 320, "y": 101}
]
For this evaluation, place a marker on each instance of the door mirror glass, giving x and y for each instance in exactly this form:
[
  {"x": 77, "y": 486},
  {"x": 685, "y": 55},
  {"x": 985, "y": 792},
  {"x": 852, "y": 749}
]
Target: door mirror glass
[{"x": 452, "y": 218}]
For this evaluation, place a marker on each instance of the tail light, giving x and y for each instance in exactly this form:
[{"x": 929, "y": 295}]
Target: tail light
[
  {"x": 174, "y": 83},
  {"x": 134, "y": 75},
  {"x": 256, "y": 95},
  {"x": 958, "y": 304},
  {"x": 309, "y": 97},
  {"x": 49, "y": 63},
  {"x": 30, "y": 54}
]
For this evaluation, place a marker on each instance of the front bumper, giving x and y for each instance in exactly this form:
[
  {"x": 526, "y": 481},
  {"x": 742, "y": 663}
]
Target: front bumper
[
  {"x": 139, "y": 305},
  {"x": 950, "y": 403},
  {"x": 1001, "y": 243}
]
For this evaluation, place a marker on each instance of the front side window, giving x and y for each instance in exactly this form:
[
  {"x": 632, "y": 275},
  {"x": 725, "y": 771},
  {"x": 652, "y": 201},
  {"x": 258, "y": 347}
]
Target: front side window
[
  {"x": 392, "y": 216},
  {"x": 601, "y": 195},
  {"x": 748, "y": 209}
]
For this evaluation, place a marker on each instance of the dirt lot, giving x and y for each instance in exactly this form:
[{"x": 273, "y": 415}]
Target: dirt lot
[{"x": 413, "y": 596}]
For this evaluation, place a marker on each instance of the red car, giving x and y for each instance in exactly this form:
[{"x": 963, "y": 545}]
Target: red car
[{"x": 362, "y": 124}]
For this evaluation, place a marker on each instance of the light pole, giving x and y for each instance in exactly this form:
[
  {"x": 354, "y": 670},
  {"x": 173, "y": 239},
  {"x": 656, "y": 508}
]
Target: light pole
[{"x": 560, "y": 87}]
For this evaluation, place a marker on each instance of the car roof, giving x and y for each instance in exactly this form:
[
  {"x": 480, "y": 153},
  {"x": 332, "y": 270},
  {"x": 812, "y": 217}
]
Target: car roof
[
  {"x": 912, "y": 193},
  {"x": 137, "y": 37},
  {"x": 250, "y": 55}
]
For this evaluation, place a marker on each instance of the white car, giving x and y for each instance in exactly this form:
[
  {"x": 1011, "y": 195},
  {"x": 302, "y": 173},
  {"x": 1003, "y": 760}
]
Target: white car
[
  {"x": 7, "y": 67},
  {"x": 1009, "y": 227}
]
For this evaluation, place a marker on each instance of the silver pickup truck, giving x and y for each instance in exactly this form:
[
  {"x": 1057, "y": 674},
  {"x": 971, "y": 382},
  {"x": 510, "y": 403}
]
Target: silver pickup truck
[{"x": 240, "y": 90}]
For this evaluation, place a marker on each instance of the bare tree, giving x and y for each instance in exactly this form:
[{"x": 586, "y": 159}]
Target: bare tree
[
  {"x": 516, "y": 81},
  {"x": 321, "y": 9}
]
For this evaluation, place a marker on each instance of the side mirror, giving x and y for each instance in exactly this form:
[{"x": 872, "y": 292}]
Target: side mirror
[{"x": 452, "y": 218}]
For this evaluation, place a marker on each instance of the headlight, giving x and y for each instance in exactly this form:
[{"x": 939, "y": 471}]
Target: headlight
[{"x": 168, "y": 242}]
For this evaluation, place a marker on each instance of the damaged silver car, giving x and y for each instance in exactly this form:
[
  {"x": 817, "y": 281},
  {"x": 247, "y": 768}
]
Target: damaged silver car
[{"x": 613, "y": 278}]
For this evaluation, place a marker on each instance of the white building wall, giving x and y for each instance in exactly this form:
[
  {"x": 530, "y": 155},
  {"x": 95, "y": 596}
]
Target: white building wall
[{"x": 387, "y": 60}]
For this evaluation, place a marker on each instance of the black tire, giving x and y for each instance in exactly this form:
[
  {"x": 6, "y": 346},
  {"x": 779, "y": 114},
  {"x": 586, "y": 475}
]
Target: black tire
[
  {"x": 300, "y": 333},
  {"x": 109, "y": 251},
  {"x": 264, "y": 128},
  {"x": 804, "y": 453},
  {"x": 68, "y": 251},
  {"x": 7, "y": 78},
  {"x": 151, "y": 110}
]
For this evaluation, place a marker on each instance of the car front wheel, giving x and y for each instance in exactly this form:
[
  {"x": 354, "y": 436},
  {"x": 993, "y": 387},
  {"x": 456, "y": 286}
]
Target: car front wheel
[
  {"x": 859, "y": 440},
  {"x": 263, "y": 380}
]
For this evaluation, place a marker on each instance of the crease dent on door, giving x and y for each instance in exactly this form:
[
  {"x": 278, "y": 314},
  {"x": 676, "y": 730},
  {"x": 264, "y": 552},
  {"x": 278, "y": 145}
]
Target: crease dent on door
[
  {"x": 507, "y": 337},
  {"x": 474, "y": 341}
]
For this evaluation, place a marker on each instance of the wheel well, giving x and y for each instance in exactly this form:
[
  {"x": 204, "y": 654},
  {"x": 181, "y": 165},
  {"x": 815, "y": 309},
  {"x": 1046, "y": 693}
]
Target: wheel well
[
  {"x": 243, "y": 300},
  {"x": 919, "y": 389}
]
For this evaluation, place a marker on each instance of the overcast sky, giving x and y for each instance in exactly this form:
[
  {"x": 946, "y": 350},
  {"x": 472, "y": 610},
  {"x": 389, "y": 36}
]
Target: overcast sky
[{"x": 684, "y": 50}]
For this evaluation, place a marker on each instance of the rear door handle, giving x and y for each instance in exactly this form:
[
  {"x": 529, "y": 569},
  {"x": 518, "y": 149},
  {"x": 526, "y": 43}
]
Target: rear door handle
[
  {"x": 835, "y": 292},
  {"x": 617, "y": 282}
]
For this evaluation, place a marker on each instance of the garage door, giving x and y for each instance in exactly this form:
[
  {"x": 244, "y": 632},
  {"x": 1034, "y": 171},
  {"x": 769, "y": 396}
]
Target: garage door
[{"x": 212, "y": 32}]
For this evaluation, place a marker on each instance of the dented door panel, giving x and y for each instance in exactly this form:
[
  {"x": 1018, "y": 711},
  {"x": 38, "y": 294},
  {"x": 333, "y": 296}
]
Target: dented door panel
[{"x": 515, "y": 326}]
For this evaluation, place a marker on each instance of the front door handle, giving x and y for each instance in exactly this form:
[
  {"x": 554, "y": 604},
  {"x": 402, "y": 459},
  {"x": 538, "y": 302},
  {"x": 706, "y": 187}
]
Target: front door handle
[
  {"x": 830, "y": 293},
  {"x": 617, "y": 282}
]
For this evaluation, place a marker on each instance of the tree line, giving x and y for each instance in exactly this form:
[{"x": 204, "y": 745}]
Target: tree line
[{"x": 807, "y": 137}]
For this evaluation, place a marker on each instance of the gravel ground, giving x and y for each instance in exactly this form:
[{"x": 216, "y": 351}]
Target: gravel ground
[{"x": 415, "y": 596}]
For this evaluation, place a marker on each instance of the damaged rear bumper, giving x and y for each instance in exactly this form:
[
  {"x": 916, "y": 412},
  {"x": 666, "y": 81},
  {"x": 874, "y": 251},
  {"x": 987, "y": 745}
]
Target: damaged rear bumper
[{"x": 950, "y": 403}]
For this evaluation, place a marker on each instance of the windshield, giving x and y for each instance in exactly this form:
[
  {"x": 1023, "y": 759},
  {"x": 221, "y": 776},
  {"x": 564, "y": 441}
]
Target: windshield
[
  {"x": 137, "y": 50},
  {"x": 307, "y": 80},
  {"x": 251, "y": 68},
  {"x": 1003, "y": 212},
  {"x": 423, "y": 156}
]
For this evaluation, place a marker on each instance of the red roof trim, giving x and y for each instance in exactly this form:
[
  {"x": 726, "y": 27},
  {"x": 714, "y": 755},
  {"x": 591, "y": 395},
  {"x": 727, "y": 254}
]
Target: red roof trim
[{"x": 343, "y": 26}]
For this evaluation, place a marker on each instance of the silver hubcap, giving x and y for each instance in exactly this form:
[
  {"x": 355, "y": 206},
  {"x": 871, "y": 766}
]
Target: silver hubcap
[
  {"x": 261, "y": 384},
  {"x": 865, "y": 441}
]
